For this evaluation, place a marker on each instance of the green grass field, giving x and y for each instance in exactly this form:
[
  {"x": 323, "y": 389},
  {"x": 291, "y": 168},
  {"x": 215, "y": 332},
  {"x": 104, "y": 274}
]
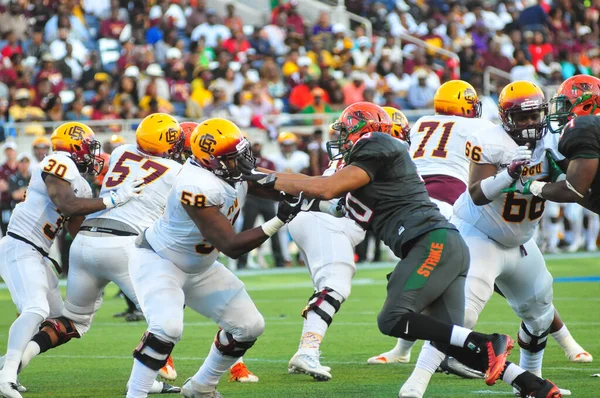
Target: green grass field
[{"x": 99, "y": 364}]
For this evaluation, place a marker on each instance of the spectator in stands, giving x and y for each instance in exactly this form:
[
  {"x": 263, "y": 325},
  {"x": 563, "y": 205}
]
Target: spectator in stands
[
  {"x": 317, "y": 105},
  {"x": 533, "y": 17},
  {"x": 362, "y": 54},
  {"x": 35, "y": 47},
  {"x": 8, "y": 169},
  {"x": 258, "y": 206},
  {"x": 91, "y": 67},
  {"x": 523, "y": 70},
  {"x": 48, "y": 71},
  {"x": 22, "y": 111},
  {"x": 539, "y": 48},
  {"x": 54, "y": 109},
  {"x": 493, "y": 57},
  {"x": 260, "y": 42},
  {"x": 232, "y": 82},
  {"x": 239, "y": 109},
  {"x": 237, "y": 43},
  {"x": 275, "y": 34},
  {"x": 69, "y": 67},
  {"x": 420, "y": 95},
  {"x": 166, "y": 44},
  {"x": 14, "y": 20},
  {"x": 261, "y": 105},
  {"x": 12, "y": 46},
  {"x": 319, "y": 159},
  {"x": 323, "y": 25},
  {"x": 127, "y": 87},
  {"x": 213, "y": 31},
  {"x": 353, "y": 90},
  {"x": 153, "y": 100},
  {"x": 294, "y": 20},
  {"x": 155, "y": 75},
  {"x": 103, "y": 110},
  {"x": 75, "y": 113},
  {"x": 219, "y": 106},
  {"x": 40, "y": 147},
  {"x": 232, "y": 21},
  {"x": 18, "y": 182},
  {"x": 112, "y": 27},
  {"x": 64, "y": 19}
]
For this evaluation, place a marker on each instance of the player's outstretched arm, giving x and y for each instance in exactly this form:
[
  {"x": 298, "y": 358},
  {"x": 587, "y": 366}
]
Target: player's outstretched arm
[
  {"x": 69, "y": 205},
  {"x": 477, "y": 174},
  {"x": 218, "y": 231},
  {"x": 348, "y": 179},
  {"x": 580, "y": 175}
]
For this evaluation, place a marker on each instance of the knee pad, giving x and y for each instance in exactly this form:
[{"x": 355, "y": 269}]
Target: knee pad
[
  {"x": 229, "y": 346},
  {"x": 152, "y": 351},
  {"x": 325, "y": 303},
  {"x": 173, "y": 329},
  {"x": 530, "y": 342},
  {"x": 55, "y": 332}
]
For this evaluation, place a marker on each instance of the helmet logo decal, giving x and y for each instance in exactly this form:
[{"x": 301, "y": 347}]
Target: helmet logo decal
[
  {"x": 76, "y": 133},
  {"x": 582, "y": 86},
  {"x": 469, "y": 95},
  {"x": 172, "y": 135},
  {"x": 206, "y": 143}
]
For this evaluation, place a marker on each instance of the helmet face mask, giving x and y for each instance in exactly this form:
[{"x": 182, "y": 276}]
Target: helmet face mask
[
  {"x": 77, "y": 139},
  {"x": 523, "y": 111}
]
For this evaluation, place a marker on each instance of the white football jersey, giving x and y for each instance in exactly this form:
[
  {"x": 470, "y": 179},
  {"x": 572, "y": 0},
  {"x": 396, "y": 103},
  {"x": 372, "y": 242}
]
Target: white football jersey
[
  {"x": 36, "y": 218},
  {"x": 295, "y": 163},
  {"x": 174, "y": 236},
  {"x": 437, "y": 144},
  {"x": 511, "y": 218},
  {"x": 159, "y": 174}
]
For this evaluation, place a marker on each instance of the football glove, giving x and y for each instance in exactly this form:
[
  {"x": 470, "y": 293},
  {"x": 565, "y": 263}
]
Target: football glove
[
  {"x": 263, "y": 179},
  {"x": 289, "y": 209},
  {"x": 521, "y": 157},
  {"x": 122, "y": 195},
  {"x": 519, "y": 186},
  {"x": 335, "y": 208},
  {"x": 555, "y": 170}
]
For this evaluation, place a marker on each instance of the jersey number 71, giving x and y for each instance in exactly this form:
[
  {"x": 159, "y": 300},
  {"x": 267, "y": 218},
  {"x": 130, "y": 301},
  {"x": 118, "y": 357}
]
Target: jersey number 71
[{"x": 429, "y": 128}]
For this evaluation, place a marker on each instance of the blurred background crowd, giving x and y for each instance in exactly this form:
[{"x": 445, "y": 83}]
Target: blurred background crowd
[{"x": 284, "y": 78}]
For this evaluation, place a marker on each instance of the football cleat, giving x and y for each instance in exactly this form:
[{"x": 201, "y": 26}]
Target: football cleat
[
  {"x": 21, "y": 387},
  {"x": 239, "y": 372},
  {"x": 580, "y": 357},
  {"x": 389, "y": 357},
  {"x": 410, "y": 392},
  {"x": 134, "y": 316},
  {"x": 310, "y": 365},
  {"x": 452, "y": 366},
  {"x": 168, "y": 371},
  {"x": 9, "y": 390},
  {"x": 498, "y": 348},
  {"x": 191, "y": 389},
  {"x": 545, "y": 390}
]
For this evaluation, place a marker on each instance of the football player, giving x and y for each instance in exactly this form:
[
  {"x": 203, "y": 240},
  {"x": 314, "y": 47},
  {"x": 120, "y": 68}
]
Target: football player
[
  {"x": 385, "y": 194},
  {"x": 437, "y": 147},
  {"x": 574, "y": 109},
  {"x": 101, "y": 250},
  {"x": 498, "y": 228},
  {"x": 57, "y": 193},
  {"x": 175, "y": 261}
]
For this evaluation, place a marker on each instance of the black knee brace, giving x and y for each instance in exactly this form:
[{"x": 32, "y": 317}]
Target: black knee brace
[
  {"x": 160, "y": 346},
  {"x": 536, "y": 343},
  {"x": 316, "y": 300},
  {"x": 234, "y": 348},
  {"x": 55, "y": 332}
]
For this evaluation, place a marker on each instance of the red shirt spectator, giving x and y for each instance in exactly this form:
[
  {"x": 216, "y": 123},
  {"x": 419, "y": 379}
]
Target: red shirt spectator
[
  {"x": 236, "y": 44},
  {"x": 538, "y": 49},
  {"x": 12, "y": 47},
  {"x": 112, "y": 27}
]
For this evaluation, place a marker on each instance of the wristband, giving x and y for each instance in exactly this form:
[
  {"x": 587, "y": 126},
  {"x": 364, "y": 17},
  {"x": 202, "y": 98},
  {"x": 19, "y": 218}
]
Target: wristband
[
  {"x": 536, "y": 188},
  {"x": 108, "y": 201},
  {"x": 492, "y": 186},
  {"x": 271, "y": 227}
]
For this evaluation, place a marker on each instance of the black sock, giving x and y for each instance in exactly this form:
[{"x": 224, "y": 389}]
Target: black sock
[
  {"x": 422, "y": 327},
  {"x": 527, "y": 382},
  {"x": 130, "y": 304},
  {"x": 43, "y": 340}
]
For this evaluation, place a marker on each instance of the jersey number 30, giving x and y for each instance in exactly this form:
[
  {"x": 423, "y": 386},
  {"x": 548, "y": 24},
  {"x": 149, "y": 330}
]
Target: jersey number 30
[
  {"x": 429, "y": 128},
  {"x": 123, "y": 171}
]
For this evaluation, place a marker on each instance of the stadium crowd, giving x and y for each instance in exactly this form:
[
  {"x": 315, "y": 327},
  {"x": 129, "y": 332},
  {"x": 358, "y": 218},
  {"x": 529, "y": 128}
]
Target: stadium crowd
[{"x": 84, "y": 60}]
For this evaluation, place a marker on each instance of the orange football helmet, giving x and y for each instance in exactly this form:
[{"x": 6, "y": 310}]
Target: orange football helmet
[
  {"x": 79, "y": 141},
  {"x": 187, "y": 128},
  {"x": 577, "y": 96},
  {"x": 216, "y": 146},
  {"x": 458, "y": 98},
  {"x": 356, "y": 120},
  {"x": 102, "y": 173},
  {"x": 400, "y": 126},
  {"x": 159, "y": 134},
  {"x": 523, "y": 109}
]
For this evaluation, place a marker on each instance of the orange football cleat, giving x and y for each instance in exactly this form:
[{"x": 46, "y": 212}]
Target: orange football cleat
[
  {"x": 498, "y": 349},
  {"x": 168, "y": 371},
  {"x": 239, "y": 372}
]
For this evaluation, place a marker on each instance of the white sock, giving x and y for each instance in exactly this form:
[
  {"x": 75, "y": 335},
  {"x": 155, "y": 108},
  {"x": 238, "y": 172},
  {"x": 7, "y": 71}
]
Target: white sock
[
  {"x": 592, "y": 229},
  {"x": 32, "y": 350},
  {"x": 511, "y": 372},
  {"x": 213, "y": 367},
  {"x": 313, "y": 332},
  {"x": 531, "y": 361},
  {"x": 430, "y": 358},
  {"x": 141, "y": 380},
  {"x": 19, "y": 335},
  {"x": 566, "y": 341},
  {"x": 403, "y": 347},
  {"x": 459, "y": 336},
  {"x": 553, "y": 229}
]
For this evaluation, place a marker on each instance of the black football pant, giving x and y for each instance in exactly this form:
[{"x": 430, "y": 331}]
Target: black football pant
[{"x": 253, "y": 207}]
